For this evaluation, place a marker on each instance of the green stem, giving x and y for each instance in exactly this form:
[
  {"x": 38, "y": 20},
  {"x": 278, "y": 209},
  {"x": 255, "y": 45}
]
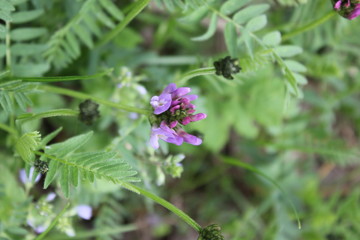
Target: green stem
[
  {"x": 309, "y": 26},
  {"x": 138, "y": 7},
  {"x": 7, "y": 43},
  {"x": 63, "y": 78},
  {"x": 195, "y": 73},
  {"x": 54, "y": 222},
  {"x": 8, "y": 129},
  {"x": 98, "y": 233},
  {"x": 51, "y": 113},
  {"x": 192, "y": 223},
  {"x": 236, "y": 162},
  {"x": 84, "y": 96}
]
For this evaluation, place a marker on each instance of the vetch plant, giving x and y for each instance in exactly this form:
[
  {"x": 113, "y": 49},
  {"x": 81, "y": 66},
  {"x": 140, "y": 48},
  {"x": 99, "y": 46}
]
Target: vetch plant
[
  {"x": 173, "y": 108},
  {"x": 349, "y": 9}
]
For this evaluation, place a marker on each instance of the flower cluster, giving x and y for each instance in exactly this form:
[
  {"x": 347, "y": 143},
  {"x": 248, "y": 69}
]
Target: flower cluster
[
  {"x": 173, "y": 108},
  {"x": 349, "y": 9}
]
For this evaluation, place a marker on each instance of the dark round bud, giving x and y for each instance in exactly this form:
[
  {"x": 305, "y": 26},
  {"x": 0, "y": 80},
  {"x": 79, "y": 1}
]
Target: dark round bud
[
  {"x": 89, "y": 112},
  {"x": 226, "y": 67},
  {"x": 41, "y": 166},
  {"x": 211, "y": 232}
]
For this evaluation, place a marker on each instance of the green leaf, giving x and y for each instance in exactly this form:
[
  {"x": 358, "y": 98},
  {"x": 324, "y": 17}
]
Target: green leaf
[
  {"x": 26, "y": 16},
  {"x": 5, "y": 102},
  {"x": 27, "y": 144},
  {"x": 30, "y": 69},
  {"x": 250, "y": 12},
  {"x": 104, "y": 19},
  {"x": 112, "y": 9},
  {"x": 50, "y": 137},
  {"x": 25, "y": 34},
  {"x": 64, "y": 180},
  {"x": 6, "y": 5},
  {"x": 272, "y": 38},
  {"x": 22, "y": 100},
  {"x": 288, "y": 50},
  {"x": 50, "y": 175},
  {"x": 232, "y": 6},
  {"x": 5, "y": 15},
  {"x": 295, "y": 66},
  {"x": 256, "y": 23},
  {"x": 231, "y": 39},
  {"x": 69, "y": 146},
  {"x": 211, "y": 30},
  {"x": 27, "y": 49},
  {"x": 83, "y": 35}
]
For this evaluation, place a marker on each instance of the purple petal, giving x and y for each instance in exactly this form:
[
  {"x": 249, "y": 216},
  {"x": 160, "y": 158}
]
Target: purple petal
[
  {"x": 355, "y": 12},
  {"x": 161, "y": 103},
  {"x": 189, "y": 138},
  {"x": 154, "y": 140},
  {"x": 27, "y": 179},
  {"x": 170, "y": 88},
  {"x": 180, "y": 92},
  {"x": 173, "y": 124},
  {"x": 51, "y": 196},
  {"x": 198, "y": 117},
  {"x": 186, "y": 121},
  {"x": 84, "y": 211},
  {"x": 191, "y": 97},
  {"x": 173, "y": 109},
  {"x": 337, "y": 5}
]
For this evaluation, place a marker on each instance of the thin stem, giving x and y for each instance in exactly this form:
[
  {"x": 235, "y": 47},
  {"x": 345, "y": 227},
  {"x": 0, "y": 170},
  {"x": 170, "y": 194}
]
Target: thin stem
[
  {"x": 7, "y": 43},
  {"x": 138, "y": 7},
  {"x": 63, "y": 78},
  {"x": 309, "y": 26},
  {"x": 97, "y": 233},
  {"x": 51, "y": 113},
  {"x": 84, "y": 96},
  {"x": 8, "y": 129},
  {"x": 195, "y": 73},
  {"x": 192, "y": 223},
  {"x": 54, "y": 222}
]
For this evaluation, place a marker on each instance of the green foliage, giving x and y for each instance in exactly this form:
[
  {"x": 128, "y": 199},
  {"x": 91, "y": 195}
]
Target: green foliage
[
  {"x": 27, "y": 144},
  {"x": 15, "y": 90},
  {"x": 85, "y": 165},
  {"x": 65, "y": 45}
]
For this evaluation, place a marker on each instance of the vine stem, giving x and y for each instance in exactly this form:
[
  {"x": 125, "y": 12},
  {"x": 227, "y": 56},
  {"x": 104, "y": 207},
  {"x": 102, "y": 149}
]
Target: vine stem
[
  {"x": 53, "y": 223},
  {"x": 309, "y": 26},
  {"x": 195, "y": 73},
  {"x": 8, "y": 42},
  {"x": 63, "y": 78},
  {"x": 84, "y": 96},
  {"x": 8, "y": 129},
  {"x": 191, "y": 222},
  {"x": 138, "y": 7}
]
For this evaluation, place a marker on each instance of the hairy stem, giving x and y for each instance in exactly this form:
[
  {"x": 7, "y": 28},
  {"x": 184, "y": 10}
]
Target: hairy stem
[
  {"x": 309, "y": 26},
  {"x": 8, "y": 129},
  {"x": 186, "y": 218},
  {"x": 53, "y": 223},
  {"x": 98, "y": 233},
  {"x": 84, "y": 96},
  {"x": 137, "y": 8},
  {"x": 63, "y": 78},
  {"x": 195, "y": 73},
  {"x": 7, "y": 43}
]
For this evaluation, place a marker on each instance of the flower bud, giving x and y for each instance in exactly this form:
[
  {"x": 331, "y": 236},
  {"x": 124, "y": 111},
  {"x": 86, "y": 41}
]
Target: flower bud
[
  {"x": 226, "y": 67},
  {"x": 211, "y": 232},
  {"x": 349, "y": 9},
  {"x": 89, "y": 111}
]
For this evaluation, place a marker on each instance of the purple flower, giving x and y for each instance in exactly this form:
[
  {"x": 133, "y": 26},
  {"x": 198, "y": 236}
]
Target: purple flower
[
  {"x": 172, "y": 109},
  {"x": 165, "y": 133},
  {"x": 84, "y": 211},
  {"x": 28, "y": 179},
  {"x": 161, "y": 103},
  {"x": 349, "y": 9}
]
